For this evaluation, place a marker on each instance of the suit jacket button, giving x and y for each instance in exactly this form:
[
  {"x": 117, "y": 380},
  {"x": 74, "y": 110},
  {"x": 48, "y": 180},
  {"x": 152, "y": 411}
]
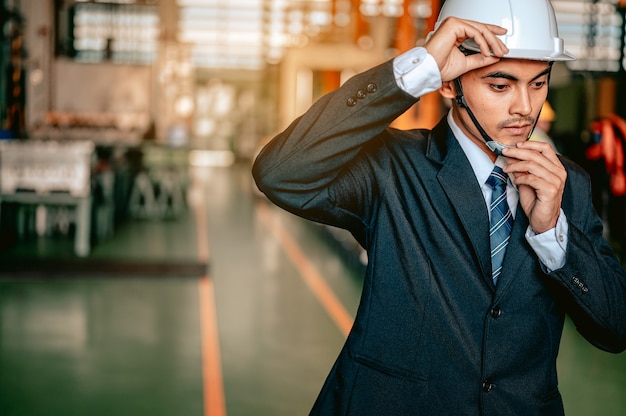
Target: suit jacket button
[
  {"x": 372, "y": 88},
  {"x": 361, "y": 94},
  {"x": 496, "y": 312},
  {"x": 351, "y": 102},
  {"x": 487, "y": 386}
]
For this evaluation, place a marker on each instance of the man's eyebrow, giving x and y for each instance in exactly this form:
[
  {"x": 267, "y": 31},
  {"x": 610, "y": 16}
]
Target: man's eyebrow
[{"x": 506, "y": 75}]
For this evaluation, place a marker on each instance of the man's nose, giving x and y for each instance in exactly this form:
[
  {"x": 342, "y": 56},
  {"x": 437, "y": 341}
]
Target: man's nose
[{"x": 522, "y": 103}]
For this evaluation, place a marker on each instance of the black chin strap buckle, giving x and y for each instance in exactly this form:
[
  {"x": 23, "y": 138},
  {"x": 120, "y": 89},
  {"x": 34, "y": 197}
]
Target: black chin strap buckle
[{"x": 460, "y": 98}]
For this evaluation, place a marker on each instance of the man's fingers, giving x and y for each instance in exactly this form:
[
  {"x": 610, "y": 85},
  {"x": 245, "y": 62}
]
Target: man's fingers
[
  {"x": 541, "y": 147},
  {"x": 485, "y": 37},
  {"x": 444, "y": 43},
  {"x": 535, "y": 155}
]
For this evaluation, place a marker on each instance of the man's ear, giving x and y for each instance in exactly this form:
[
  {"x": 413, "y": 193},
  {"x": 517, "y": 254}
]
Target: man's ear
[{"x": 447, "y": 90}]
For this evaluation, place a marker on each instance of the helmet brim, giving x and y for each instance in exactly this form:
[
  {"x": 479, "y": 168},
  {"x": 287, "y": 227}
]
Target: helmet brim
[{"x": 533, "y": 55}]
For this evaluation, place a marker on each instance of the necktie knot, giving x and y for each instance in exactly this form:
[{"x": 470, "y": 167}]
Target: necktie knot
[{"x": 497, "y": 179}]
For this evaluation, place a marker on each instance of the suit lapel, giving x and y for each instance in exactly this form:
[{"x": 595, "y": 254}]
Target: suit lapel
[{"x": 458, "y": 181}]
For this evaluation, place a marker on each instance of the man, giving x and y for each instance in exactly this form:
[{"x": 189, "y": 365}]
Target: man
[{"x": 444, "y": 328}]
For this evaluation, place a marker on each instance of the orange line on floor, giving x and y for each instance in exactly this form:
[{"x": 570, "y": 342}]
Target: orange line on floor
[
  {"x": 213, "y": 383},
  {"x": 308, "y": 272},
  {"x": 214, "y": 400}
]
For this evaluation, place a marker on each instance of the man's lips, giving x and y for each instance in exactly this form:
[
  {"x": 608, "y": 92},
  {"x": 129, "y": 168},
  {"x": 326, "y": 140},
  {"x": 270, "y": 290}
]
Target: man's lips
[{"x": 517, "y": 129}]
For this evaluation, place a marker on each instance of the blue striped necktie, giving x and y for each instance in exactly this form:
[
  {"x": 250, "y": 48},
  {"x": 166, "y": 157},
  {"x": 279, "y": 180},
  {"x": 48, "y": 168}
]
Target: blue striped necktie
[{"x": 501, "y": 221}]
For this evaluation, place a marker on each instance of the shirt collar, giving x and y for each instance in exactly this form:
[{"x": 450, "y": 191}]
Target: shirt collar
[{"x": 480, "y": 161}]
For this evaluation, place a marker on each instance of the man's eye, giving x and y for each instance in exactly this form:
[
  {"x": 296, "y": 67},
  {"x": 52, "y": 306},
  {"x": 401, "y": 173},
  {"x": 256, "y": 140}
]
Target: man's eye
[
  {"x": 539, "y": 84},
  {"x": 499, "y": 87}
]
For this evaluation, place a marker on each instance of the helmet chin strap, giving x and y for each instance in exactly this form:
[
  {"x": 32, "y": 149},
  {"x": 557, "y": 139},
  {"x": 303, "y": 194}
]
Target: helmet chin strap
[{"x": 494, "y": 146}]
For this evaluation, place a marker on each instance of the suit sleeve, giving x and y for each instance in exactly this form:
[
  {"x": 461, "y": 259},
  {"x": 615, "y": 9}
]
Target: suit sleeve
[
  {"x": 297, "y": 169},
  {"x": 593, "y": 279}
]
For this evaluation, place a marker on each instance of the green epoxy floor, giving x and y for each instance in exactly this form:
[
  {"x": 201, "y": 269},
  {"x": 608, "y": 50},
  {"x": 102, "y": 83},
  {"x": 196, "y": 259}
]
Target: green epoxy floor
[
  {"x": 99, "y": 347},
  {"x": 130, "y": 345}
]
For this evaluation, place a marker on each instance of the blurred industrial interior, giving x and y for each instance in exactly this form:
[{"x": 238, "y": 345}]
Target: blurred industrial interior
[{"x": 141, "y": 273}]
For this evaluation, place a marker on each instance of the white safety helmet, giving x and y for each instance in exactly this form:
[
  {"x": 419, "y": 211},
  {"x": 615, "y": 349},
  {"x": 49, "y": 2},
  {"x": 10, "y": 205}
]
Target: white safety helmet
[{"x": 531, "y": 24}]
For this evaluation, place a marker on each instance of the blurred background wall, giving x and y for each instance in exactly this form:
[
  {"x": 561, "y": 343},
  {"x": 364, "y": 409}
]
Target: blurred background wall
[
  {"x": 187, "y": 65},
  {"x": 226, "y": 76}
]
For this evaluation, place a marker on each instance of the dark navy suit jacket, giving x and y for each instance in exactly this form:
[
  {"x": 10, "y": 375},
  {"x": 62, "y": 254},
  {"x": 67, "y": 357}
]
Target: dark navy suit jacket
[{"x": 433, "y": 335}]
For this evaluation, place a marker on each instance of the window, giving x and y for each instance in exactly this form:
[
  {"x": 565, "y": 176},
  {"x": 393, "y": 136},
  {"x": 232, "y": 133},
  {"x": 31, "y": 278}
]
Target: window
[
  {"x": 223, "y": 34},
  {"x": 593, "y": 32},
  {"x": 117, "y": 31},
  {"x": 248, "y": 34}
]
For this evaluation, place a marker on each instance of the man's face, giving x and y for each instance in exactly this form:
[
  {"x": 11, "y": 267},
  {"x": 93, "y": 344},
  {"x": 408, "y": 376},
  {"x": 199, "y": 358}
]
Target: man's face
[{"x": 505, "y": 98}]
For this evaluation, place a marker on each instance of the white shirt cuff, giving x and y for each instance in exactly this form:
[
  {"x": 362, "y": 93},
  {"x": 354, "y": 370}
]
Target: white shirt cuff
[
  {"x": 551, "y": 245},
  {"x": 416, "y": 72}
]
